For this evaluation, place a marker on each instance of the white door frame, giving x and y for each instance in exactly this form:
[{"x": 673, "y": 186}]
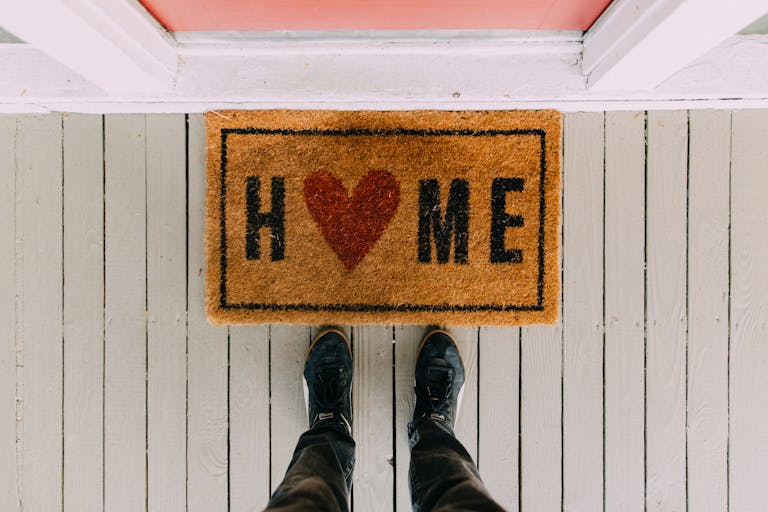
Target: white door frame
[{"x": 112, "y": 56}]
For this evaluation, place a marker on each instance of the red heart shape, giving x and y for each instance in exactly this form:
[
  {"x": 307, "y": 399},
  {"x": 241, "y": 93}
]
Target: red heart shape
[{"x": 352, "y": 225}]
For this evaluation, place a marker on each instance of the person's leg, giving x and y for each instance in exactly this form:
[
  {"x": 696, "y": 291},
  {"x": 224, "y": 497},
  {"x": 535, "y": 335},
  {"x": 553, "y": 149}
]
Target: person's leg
[
  {"x": 442, "y": 475},
  {"x": 320, "y": 474}
]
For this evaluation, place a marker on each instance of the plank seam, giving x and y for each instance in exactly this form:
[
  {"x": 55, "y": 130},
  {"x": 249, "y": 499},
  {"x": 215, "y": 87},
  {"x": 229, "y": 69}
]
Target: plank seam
[
  {"x": 146, "y": 328},
  {"x": 103, "y": 310},
  {"x": 603, "y": 298},
  {"x": 352, "y": 401},
  {"x": 394, "y": 422},
  {"x": 728, "y": 384},
  {"x": 63, "y": 353},
  {"x": 645, "y": 318},
  {"x": 477, "y": 405},
  {"x": 520, "y": 420},
  {"x": 562, "y": 332},
  {"x": 18, "y": 314},
  {"x": 186, "y": 310},
  {"x": 229, "y": 427},
  {"x": 687, "y": 290},
  {"x": 269, "y": 403}
]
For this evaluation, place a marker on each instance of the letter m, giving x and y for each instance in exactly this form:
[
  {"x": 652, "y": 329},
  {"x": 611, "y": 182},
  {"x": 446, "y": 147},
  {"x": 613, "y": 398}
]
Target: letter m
[{"x": 453, "y": 226}]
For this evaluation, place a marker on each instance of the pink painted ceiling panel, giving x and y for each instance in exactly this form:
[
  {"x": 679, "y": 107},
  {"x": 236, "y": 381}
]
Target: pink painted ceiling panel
[{"x": 212, "y": 15}]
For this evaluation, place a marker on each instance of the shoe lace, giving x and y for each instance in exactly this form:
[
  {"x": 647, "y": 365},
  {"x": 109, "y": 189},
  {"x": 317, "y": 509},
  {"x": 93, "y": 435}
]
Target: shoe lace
[
  {"x": 437, "y": 392},
  {"x": 329, "y": 389}
]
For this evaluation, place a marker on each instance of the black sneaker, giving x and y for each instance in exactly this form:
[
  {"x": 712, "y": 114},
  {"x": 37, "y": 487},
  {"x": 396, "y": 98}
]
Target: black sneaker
[
  {"x": 439, "y": 378},
  {"x": 328, "y": 380}
]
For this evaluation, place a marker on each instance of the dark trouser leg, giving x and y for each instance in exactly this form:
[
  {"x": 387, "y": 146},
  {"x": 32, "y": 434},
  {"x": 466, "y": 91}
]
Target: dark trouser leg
[
  {"x": 320, "y": 474},
  {"x": 442, "y": 475}
]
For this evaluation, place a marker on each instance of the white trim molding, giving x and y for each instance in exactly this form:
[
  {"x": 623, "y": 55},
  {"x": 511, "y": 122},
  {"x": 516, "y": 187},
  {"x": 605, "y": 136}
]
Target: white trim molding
[
  {"x": 637, "y": 44},
  {"x": 370, "y": 71},
  {"x": 115, "y": 44}
]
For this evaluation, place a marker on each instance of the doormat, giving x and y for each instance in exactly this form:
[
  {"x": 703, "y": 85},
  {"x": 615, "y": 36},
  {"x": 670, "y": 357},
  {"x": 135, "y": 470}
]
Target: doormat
[{"x": 426, "y": 217}]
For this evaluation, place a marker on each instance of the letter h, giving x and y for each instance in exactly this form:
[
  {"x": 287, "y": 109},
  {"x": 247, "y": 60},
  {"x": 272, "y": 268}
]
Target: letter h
[{"x": 274, "y": 220}]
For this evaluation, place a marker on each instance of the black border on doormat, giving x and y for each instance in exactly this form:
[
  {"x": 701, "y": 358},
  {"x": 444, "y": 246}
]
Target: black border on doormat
[{"x": 370, "y": 308}]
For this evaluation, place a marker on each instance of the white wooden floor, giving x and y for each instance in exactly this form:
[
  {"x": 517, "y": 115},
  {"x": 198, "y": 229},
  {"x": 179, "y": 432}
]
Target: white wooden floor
[{"x": 652, "y": 394}]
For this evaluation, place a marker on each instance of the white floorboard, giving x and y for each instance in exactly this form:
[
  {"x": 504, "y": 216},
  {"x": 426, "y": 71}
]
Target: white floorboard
[
  {"x": 407, "y": 339},
  {"x": 708, "y": 199},
  {"x": 249, "y": 484},
  {"x": 666, "y": 314},
  {"x": 624, "y": 403},
  {"x": 373, "y": 480},
  {"x": 288, "y": 349},
  {"x": 39, "y": 321},
  {"x": 83, "y": 312},
  {"x": 207, "y": 355},
  {"x": 499, "y": 413},
  {"x": 648, "y": 395},
  {"x": 583, "y": 312},
  {"x": 748, "y": 437},
  {"x": 466, "y": 420},
  {"x": 9, "y": 498},
  {"x": 166, "y": 313},
  {"x": 541, "y": 374},
  {"x": 125, "y": 305}
]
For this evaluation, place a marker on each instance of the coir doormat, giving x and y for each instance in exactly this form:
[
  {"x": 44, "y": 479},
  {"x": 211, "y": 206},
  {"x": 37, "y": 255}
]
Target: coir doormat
[{"x": 425, "y": 217}]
